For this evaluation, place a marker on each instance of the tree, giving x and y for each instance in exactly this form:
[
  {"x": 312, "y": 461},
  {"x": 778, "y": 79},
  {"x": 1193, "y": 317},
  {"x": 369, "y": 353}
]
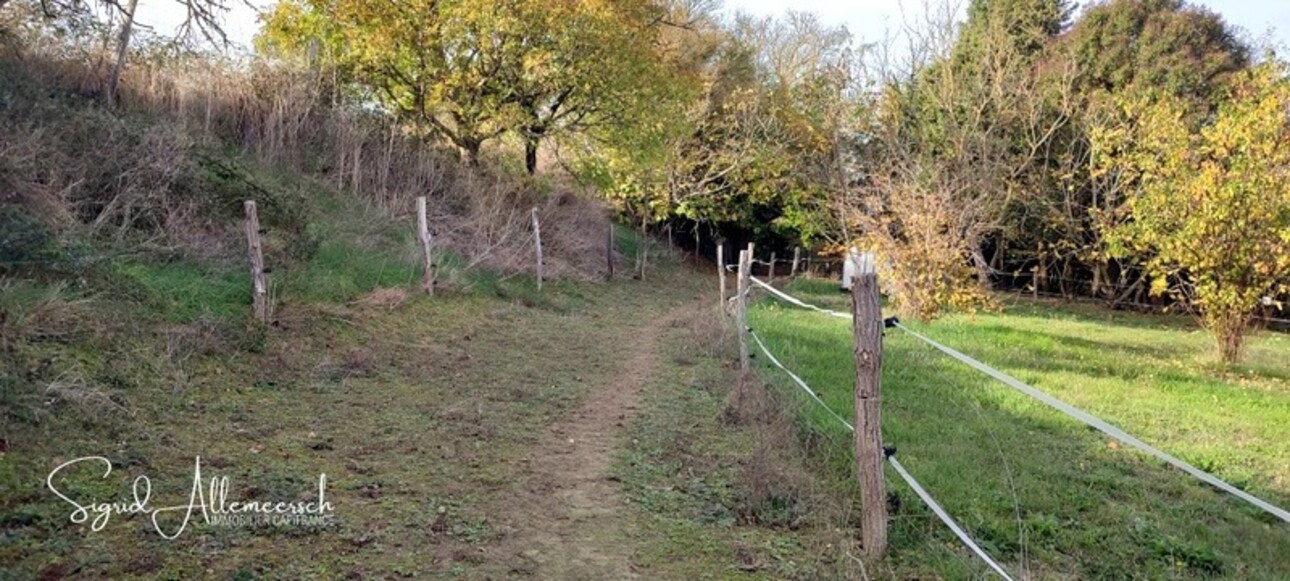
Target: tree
[
  {"x": 1187, "y": 51},
  {"x": 469, "y": 71},
  {"x": 950, "y": 151},
  {"x": 1116, "y": 46},
  {"x": 760, "y": 155},
  {"x": 1212, "y": 210}
]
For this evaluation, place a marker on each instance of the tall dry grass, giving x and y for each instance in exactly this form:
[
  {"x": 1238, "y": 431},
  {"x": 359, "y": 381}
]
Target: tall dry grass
[{"x": 91, "y": 169}]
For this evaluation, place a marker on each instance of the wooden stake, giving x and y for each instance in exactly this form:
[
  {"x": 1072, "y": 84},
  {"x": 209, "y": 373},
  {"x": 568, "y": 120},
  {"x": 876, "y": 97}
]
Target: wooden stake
[
  {"x": 721, "y": 276},
  {"x": 867, "y": 328},
  {"x": 770, "y": 270},
  {"x": 423, "y": 231},
  {"x": 609, "y": 251},
  {"x": 537, "y": 242},
  {"x": 255, "y": 251},
  {"x": 741, "y": 307},
  {"x": 797, "y": 258}
]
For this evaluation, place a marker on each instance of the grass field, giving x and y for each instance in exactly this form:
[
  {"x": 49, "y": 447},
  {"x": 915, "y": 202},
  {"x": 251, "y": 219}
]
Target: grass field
[{"x": 1042, "y": 493}]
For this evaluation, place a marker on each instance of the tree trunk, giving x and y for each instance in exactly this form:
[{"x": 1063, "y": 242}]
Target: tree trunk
[
  {"x": 982, "y": 267},
  {"x": 1067, "y": 293},
  {"x": 469, "y": 151},
  {"x": 531, "y": 155},
  {"x": 1230, "y": 334},
  {"x": 122, "y": 50}
]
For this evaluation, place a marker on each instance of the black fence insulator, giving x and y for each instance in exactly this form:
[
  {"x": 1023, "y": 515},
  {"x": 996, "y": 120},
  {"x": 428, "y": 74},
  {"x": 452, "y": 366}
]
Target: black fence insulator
[
  {"x": 888, "y": 451},
  {"x": 890, "y": 322}
]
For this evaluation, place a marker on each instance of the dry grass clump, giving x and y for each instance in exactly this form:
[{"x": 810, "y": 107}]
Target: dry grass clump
[
  {"x": 385, "y": 299},
  {"x": 32, "y": 313},
  {"x": 93, "y": 404},
  {"x": 712, "y": 335}
]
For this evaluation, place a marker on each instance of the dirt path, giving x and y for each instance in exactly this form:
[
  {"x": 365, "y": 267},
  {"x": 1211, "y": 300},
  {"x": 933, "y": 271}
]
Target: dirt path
[{"x": 570, "y": 520}]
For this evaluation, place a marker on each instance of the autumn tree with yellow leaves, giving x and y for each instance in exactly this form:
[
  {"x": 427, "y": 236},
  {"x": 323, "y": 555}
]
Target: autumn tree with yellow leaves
[
  {"x": 1210, "y": 208},
  {"x": 469, "y": 71}
]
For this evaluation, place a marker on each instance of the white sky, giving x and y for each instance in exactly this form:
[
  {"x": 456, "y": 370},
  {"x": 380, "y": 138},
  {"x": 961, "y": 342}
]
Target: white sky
[{"x": 868, "y": 20}]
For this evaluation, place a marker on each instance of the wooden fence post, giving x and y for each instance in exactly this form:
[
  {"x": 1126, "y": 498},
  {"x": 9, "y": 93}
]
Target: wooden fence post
[
  {"x": 609, "y": 251},
  {"x": 537, "y": 242},
  {"x": 721, "y": 276},
  {"x": 255, "y": 250},
  {"x": 741, "y": 307},
  {"x": 867, "y": 326},
  {"x": 423, "y": 231},
  {"x": 797, "y": 258}
]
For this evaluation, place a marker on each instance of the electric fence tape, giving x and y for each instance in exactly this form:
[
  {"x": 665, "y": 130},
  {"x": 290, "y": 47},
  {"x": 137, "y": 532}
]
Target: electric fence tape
[
  {"x": 801, "y": 383},
  {"x": 945, "y": 517},
  {"x": 918, "y": 489},
  {"x": 1065, "y": 408}
]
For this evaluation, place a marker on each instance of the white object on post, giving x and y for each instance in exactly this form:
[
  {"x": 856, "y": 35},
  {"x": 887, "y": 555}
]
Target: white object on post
[{"x": 849, "y": 268}]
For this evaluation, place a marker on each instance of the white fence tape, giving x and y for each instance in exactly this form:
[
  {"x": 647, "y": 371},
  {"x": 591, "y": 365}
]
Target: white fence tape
[
  {"x": 1102, "y": 425},
  {"x": 1065, "y": 408},
  {"x": 797, "y": 302},
  {"x": 918, "y": 489},
  {"x": 801, "y": 383},
  {"x": 945, "y": 517}
]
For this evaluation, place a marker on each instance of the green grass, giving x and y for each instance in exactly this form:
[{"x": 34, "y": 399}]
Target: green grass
[{"x": 1038, "y": 490}]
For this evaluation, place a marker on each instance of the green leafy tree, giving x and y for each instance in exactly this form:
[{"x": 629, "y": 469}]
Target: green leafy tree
[
  {"x": 1115, "y": 47},
  {"x": 471, "y": 71},
  {"x": 1212, "y": 210}
]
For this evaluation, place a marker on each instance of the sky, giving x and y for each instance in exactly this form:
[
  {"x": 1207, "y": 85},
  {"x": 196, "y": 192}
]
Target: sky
[{"x": 867, "y": 20}]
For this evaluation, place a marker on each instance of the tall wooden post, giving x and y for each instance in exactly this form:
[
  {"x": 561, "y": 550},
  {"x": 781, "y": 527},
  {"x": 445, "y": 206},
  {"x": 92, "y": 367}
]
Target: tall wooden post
[
  {"x": 770, "y": 272},
  {"x": 423, "y": 232},
  {"x": 721, "y": 276},
  {"x": 609, "y": 251},
  {"x": 797, "y": 258},
  {"x": 741, "y": 307},
  {"x": 867, "y": 326},
  {"x": 537, "y": 242},
  {"x": 255, "y": 251}
]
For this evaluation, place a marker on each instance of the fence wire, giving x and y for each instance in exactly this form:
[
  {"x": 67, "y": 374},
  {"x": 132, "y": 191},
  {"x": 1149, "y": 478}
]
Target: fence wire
[
  {"x": 1059, "y": 405},
  {"x": 891, "y": 458}
]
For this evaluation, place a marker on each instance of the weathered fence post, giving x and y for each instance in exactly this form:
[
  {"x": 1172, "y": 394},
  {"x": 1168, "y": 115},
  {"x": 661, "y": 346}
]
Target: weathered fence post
[
  {"x": 255, "y": 250},
  {"x": 721, "y": 275},
  {"x": 741, "y": 307},
  {"x": 423, "y": 231},
  {"x": 867, "y": 325},
  {"x": 797, "y": 258},
  {"x": 537, "y": 241},
  {"x": 609, "y": 251},
  {"x": 770, "y": 272}
]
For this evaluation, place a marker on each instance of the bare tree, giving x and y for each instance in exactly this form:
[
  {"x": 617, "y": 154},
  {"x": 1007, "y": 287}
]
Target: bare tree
[{"x": 946, "y": 154}]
